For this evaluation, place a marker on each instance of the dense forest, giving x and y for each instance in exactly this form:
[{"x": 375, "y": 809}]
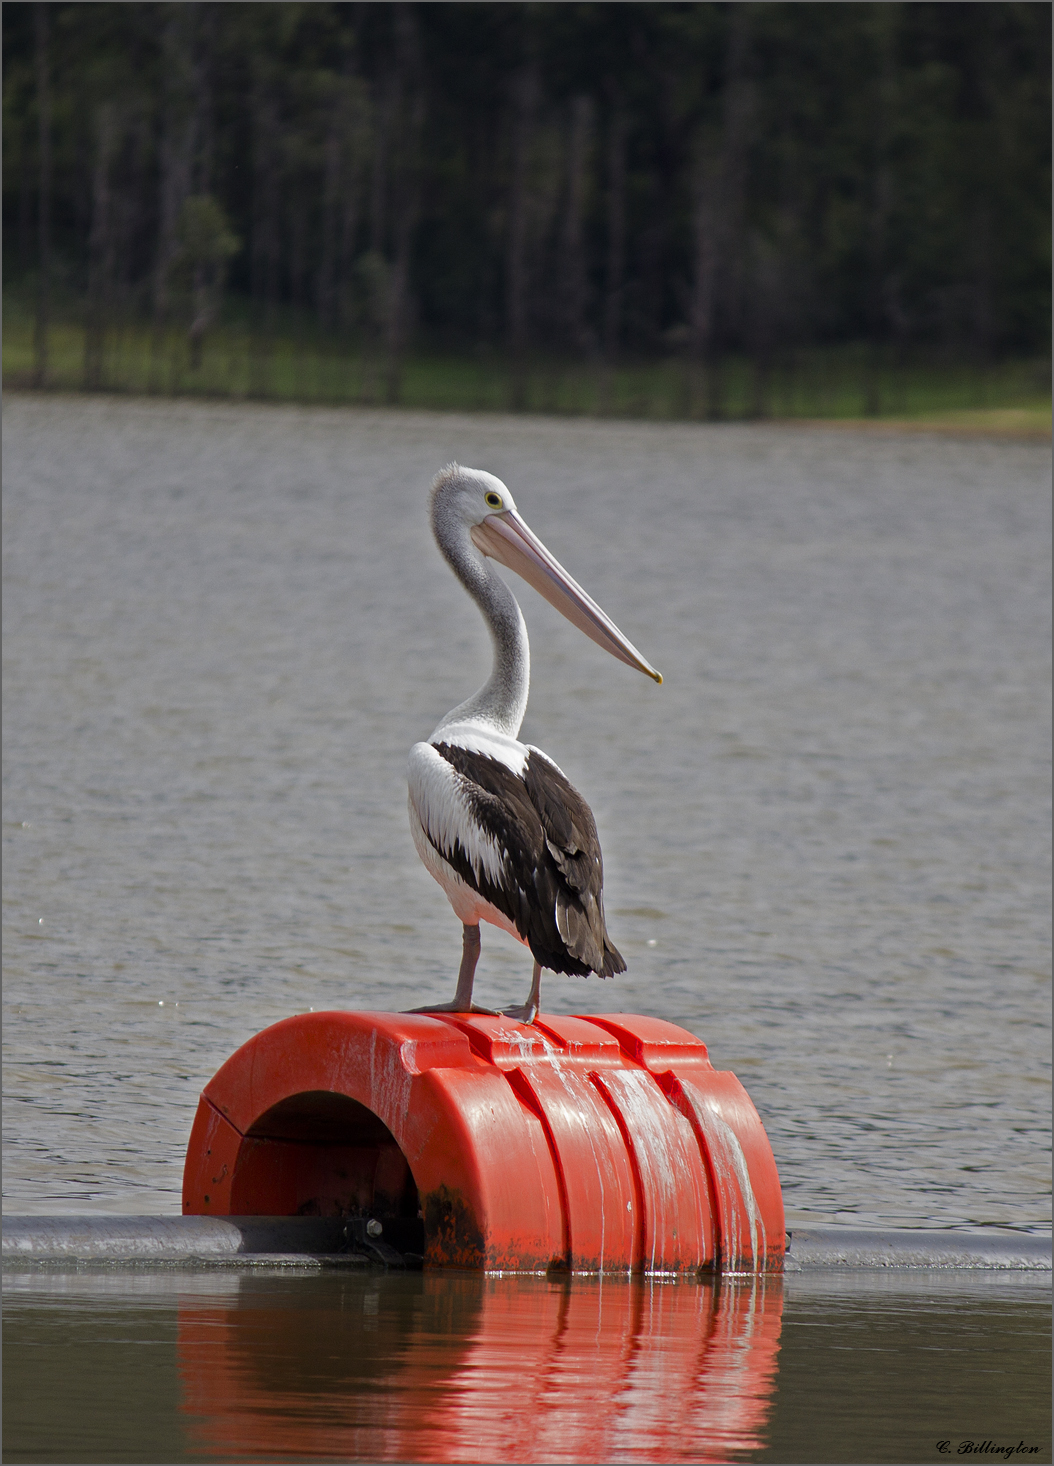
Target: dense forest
[{"x": 599, "y": 182}]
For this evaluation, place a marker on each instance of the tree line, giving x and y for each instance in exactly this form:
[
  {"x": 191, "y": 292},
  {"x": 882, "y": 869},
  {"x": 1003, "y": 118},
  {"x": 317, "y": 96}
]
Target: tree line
[{"x": 590, "y": 180}]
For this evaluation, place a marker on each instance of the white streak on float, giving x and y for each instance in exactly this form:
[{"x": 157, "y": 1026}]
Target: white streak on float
[
  {"x": 579, "y": 1095},
  {"x": 391, "y": 1082},
  {"x": 573, "y": 1115},
  {"x": 662, "y": 1162},
  {"x": 732, "y": 1176}
]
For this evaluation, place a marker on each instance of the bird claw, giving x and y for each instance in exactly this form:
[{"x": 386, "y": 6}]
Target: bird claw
[{"x": 525, "y": 1013}]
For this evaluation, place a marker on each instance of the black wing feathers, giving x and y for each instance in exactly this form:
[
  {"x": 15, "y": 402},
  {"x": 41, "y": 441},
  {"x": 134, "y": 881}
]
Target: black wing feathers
[{"x": 553, "y": 892}]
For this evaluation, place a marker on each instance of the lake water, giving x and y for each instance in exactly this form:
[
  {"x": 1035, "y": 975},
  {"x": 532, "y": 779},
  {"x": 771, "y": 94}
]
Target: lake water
[
  {"x": 439, "y": 1368},
  {"x": 826, "y": 834}
]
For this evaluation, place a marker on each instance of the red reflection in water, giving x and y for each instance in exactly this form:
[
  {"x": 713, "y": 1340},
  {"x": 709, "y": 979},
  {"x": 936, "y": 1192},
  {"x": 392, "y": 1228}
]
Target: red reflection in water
[{"x": 464, "y": 1369}]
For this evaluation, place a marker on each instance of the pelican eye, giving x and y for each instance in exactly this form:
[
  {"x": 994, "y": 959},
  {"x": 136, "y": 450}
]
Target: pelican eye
[{"x": 492, "y": 500}]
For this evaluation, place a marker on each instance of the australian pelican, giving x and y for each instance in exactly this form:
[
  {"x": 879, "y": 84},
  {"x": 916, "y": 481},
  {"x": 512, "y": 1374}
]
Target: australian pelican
[{"x": 497, "y": 824}]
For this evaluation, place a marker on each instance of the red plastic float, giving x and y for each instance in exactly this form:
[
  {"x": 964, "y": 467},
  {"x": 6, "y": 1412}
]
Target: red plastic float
[{"x": 594, "y": 1144}]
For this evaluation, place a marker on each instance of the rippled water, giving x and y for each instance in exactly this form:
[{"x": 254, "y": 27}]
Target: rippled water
[
  {"x": 826, "y": 834},
  {"x": 261, "y": 1367}
]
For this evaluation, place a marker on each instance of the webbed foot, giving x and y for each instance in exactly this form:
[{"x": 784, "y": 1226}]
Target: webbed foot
[
  {"x": 454, "y": 1007},
  {"x": 528, "y": 1012},
  {"x": 525, "y": 1013}
]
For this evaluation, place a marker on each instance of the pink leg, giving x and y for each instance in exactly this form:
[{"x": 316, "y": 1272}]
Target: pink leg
[
  {"x": 528, "y": 1012},
  {"x": 462, "y": 1002}
]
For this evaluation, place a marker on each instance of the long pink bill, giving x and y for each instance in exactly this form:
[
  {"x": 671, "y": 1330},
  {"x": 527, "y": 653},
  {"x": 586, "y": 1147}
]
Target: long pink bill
[{"x": 507, "y": 539}]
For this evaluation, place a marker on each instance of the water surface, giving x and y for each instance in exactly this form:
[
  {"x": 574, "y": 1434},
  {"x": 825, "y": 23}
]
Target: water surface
[
  {"x": 826, "y": 834},
  {"x": 441, "y": 1368}
]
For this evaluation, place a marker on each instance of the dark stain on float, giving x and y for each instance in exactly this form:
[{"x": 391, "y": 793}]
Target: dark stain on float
[{"x": 452, "y": 1233}]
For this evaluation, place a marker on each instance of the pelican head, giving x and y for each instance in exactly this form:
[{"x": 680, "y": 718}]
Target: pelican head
[{"x": 473, "y": 502}]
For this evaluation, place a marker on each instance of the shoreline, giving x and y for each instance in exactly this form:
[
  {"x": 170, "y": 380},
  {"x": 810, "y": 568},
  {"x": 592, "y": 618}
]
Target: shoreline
[
  {"x": 998, "y": 424},
  {"x": 1017, "y": 425}
]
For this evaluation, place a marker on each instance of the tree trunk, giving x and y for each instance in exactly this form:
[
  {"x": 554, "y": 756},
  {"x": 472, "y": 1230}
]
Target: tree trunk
[
  {"x": 349, "y": 228},
  {"x": 384, "y": 106},
  {"x": 573, "y": 256},
  {"x": 616, "y": 220},
  {"x": 100, "y": 248},
  {"x": 297, "y": 257},
  {"x": 204, "y": 120},
  {"x": 981, "y": 313},
  {"x": 177, "y": 156},
  {"x": 376, "y": 283},
  {"x": 717, "y": 220},
  {"x": 766, "y": 288},
  {"x": 706, "y": 235},
  {"x": 266, "y": 240},
  {"x": 398, "y": 307},
  {"x": 886, "y": 18},
  {"x": 525, "y": 93},
  {"x": 200, "y": 316},
  {"x": 408, "y": 119},
  {"x": 351, "y": 126},
  {"x": 326, "y": 292},
  {"x": 40, "y": 332},
  {"x": 25, "y": 196}
]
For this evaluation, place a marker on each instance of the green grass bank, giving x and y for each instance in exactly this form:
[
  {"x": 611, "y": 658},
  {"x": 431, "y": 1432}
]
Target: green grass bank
[{"x": 295, "y": 363}]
